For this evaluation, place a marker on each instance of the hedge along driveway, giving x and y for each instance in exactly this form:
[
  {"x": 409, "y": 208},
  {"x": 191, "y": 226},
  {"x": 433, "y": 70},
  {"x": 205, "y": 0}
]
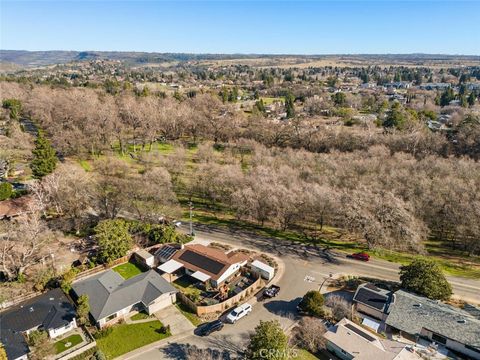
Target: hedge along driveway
[{"x": 127, "y": 337}]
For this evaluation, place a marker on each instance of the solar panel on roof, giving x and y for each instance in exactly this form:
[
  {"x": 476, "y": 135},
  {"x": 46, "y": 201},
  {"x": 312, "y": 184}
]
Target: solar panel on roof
[
  {"x": 202, "y": 261},
  {"x": 360, "y": 332},
  {"x": 374, "y": 300},
  {"x": 166, "y": 252}
]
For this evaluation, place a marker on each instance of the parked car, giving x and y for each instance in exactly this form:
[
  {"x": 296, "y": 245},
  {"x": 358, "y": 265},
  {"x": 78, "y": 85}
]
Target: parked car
[
  {"x": 271, "y": 291},
  {"x": 239, "y": 312},
  {"x": 359, "y": 256},
  {"x": 208, "y": 328}
]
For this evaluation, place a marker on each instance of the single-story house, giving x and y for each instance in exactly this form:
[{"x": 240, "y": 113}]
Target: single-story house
[
  {"x": 372, "y": 301},
  {"x": 347, "y": 341},
  {"x": 111, "y": 297},
  {"x": 417, "y": 317},
  {"x": 205, "y": 264},
  {"x": 51, "y": 312},
  {"x": 144, "y": 258}
]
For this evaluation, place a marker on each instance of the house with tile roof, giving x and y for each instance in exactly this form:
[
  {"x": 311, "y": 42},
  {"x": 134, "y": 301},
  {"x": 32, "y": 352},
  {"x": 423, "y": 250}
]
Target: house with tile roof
[
  {"x": 205, "y": 264},
  {"x": 112, "y": 298},
  {"x": 51, "y": 312}
]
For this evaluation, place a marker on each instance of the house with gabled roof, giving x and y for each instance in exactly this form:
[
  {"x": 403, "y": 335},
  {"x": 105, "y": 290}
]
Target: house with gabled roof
[
  {"x": 51, "y": 312},
  {"x": 347, "y": 340},
  {"x": 372, "y": 301},
  {"x": 416, "y": 317},
  {"x": 205, "y": 264},
  {"x": 112, "y": 298}
]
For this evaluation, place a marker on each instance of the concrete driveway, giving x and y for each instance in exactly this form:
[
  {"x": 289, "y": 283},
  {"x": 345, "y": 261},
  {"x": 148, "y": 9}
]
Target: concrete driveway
[
  {"x": 174, "y": 318},
  {"x": 300, "y": 261}
]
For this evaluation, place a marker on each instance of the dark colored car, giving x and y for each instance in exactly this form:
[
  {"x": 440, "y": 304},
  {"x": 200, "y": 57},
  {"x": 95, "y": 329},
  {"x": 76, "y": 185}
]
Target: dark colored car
[
  {"x": 360, "y": 256},
  {"x": 271, "y": 291},
  {"x": 208, "y": 328}
]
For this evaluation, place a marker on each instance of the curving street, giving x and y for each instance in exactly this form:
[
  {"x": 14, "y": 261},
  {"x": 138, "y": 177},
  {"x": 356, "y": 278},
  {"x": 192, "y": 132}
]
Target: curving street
[{"x": 297, "y": 261}]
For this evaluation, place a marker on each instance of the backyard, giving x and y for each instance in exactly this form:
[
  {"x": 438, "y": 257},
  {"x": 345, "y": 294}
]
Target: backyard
[
  {"x": 128, "y": 270},
  {"x": 67, "y": 343},
  {"x": 140, "y": 334}
]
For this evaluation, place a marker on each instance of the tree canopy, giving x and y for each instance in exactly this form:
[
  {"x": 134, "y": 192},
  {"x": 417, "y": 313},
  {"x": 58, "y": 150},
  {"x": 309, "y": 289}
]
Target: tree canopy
[
  {"x": 425, "y": 278},
  {"x": 268, "y": 342},
  {"x": 312, "y": 303},
  {"x": 113, "y": 238},
  {"x": 44, "y": 157}
]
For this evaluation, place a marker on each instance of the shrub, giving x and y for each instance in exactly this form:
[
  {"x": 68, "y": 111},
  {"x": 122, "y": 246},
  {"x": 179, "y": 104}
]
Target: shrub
[
  {"x": 6, "y": 191},
  {"x": 312, "y": 303},
  {"x": 99, "y": 355},
  {"x": 103, "y": 332},
  {"x": 67, "y": 279}
]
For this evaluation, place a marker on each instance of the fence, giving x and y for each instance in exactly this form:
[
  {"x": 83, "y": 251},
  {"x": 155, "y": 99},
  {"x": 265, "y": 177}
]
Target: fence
[
  {"x": 18, "y": 299},
  {"x": 225, "y": 305}
]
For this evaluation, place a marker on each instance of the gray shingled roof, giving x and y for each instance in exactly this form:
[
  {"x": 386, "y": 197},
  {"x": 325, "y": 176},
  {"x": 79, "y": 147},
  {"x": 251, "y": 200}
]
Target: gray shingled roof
[
  {"x": 50, "y": 310},
  {"x": 108, "y": 292},
  {"x": 410, "y": 313}
]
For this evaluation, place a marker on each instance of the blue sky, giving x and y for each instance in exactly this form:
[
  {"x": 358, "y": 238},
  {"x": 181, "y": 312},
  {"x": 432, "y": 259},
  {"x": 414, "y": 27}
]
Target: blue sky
[{"x": 273, "y": 27}]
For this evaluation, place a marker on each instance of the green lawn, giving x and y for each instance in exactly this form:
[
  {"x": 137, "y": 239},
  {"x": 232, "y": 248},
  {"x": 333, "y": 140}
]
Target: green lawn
[
  {"x": 304, "y": 355},
  {"x": 127, "y": 337},
  {"x": 74, "y": 339},
  {"x": 140, "y": 316},
  {"x": 128, "y": 270},
  {"x": 193, "y": 318}
]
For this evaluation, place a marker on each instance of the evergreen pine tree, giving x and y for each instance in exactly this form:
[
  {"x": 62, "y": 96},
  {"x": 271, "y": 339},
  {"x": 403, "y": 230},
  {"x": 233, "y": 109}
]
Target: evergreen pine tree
[{"x": 44, "y": 157}]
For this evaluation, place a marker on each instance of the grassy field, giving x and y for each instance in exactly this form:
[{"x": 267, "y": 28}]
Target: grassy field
[
  {"x": 60, "y": 346},
  {"x": 127, "y": 270},
  {"x": 193, "y": 318},
  {"x": 454, "y": 265},
  {"x": 127, "y": 337}
]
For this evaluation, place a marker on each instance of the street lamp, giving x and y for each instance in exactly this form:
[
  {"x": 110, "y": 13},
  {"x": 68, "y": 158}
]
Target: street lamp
[
  {"x": 324, "y": 280},
  {"x": 190, "y": 206}
]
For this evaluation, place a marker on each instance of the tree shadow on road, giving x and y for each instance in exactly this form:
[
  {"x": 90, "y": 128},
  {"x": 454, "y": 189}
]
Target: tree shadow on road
[
  {"x": 272, "y": 245},
  {"x": 283, "y": 308},
  {"x": 178, "y": 351}
]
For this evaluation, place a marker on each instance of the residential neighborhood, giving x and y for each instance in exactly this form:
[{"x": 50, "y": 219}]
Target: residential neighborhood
[{"x": 239, "y": 180}]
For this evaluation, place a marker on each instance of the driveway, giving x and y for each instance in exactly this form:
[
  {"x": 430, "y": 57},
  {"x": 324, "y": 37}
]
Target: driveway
[
  {"x": 174, "y": 318},
  {"x": 300, "y": 262}
]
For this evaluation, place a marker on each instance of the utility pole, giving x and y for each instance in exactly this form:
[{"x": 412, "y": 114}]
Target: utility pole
[{"x": 191, "y": 216}]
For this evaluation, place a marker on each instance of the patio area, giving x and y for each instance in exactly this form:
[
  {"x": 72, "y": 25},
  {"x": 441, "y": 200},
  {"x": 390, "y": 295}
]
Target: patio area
[{"x": 203, "y": 294}]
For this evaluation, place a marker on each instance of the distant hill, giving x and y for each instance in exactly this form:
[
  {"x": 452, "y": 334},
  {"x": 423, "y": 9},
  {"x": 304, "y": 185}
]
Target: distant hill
[{"x": 24, "y": 58}]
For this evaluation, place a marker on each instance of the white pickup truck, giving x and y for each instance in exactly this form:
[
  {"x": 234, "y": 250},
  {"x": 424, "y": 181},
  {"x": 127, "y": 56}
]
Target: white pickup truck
[{"x": 239, "y": 312}]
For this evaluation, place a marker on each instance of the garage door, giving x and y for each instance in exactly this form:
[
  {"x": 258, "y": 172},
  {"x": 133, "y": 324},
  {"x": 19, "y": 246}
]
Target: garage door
[{"x": 161, "y": 303}]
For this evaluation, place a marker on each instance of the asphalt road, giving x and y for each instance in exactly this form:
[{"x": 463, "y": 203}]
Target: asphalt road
[{"x": 299, "y": 261}]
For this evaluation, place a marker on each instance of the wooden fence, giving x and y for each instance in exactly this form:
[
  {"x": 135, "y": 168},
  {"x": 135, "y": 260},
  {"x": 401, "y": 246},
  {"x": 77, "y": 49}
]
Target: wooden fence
[{"x": 223, "y": 306}]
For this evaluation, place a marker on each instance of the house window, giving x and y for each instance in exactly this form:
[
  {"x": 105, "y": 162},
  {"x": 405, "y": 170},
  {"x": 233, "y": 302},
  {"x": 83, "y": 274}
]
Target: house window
[
  {"x": 111, "y": 317},
  {"x": 439, "y": 339}
]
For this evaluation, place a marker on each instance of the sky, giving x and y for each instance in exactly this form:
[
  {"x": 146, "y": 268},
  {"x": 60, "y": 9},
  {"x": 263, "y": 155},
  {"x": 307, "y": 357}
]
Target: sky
[{"x": 261, "y": 27}]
